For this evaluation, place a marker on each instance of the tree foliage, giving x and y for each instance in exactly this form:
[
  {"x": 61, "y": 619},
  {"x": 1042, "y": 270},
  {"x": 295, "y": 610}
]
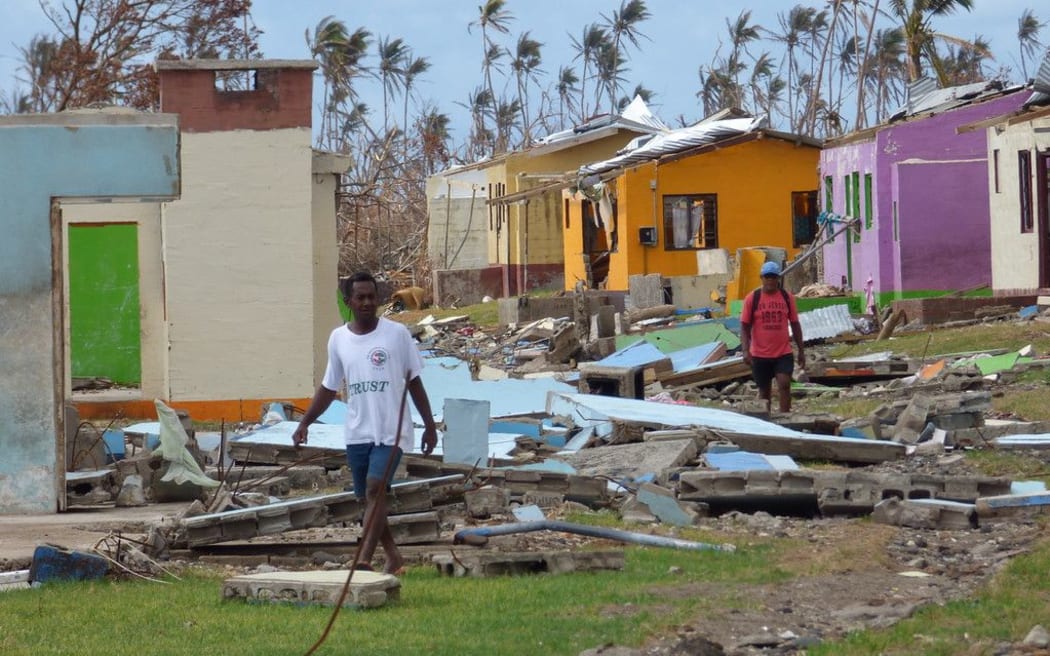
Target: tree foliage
[{"x": 101, "y": 51}]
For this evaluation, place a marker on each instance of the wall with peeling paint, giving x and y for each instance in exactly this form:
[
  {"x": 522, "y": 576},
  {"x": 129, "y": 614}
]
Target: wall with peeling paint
[{"x": 45, "y": 157}]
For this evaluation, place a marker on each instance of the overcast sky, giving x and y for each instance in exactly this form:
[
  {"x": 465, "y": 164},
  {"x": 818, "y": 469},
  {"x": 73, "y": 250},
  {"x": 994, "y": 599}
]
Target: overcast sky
[{"x": 682, "y": 35}]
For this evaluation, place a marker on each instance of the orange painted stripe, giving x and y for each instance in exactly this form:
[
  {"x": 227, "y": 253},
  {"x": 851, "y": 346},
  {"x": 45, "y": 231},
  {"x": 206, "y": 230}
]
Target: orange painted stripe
[{"x": 250, "y": 410}]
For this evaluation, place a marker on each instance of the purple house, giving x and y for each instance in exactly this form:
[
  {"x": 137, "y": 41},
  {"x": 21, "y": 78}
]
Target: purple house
[{"x": 918, "y": 191}]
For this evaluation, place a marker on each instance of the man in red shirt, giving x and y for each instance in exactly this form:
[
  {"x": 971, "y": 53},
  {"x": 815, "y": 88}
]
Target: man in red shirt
[{"x": 764, "y": 339}]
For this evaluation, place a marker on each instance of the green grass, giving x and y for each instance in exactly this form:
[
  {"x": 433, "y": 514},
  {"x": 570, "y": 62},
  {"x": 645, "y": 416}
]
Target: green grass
[
  {"x": 1005, "y": 463},
  {"x": 1007, "y": 335},
  {"x": 1005, "y": 610},
  {"x": 541, "y": 614},
  {"x": 842, "y": 406},
  {"x": 1027, "y": 405}
]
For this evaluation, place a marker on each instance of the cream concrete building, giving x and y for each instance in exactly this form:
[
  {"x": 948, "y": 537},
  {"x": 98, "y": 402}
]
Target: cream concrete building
[{"x": 238, "y": 278}]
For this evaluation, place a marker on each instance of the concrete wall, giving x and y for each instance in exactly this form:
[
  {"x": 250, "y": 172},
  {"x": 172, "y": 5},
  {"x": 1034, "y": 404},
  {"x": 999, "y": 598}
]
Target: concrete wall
[
  {"x": 753, "y": 181},
  {"x": 239, "y": 264},
  {"x": 1015, "y": 254},
  {"x": 45, "y": 157},
  {"x": 467, "y": 286},
  {"x": 853, "y": 257},
  {"x": 959, "y": 258},
  {"x": 327, "y": 171},
  {"x": 930, "y": 140},
  {"x": 458, "y": 214}
]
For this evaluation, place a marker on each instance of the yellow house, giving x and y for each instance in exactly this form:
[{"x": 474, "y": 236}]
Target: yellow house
[
  {"x": 726, "y": 184},
  {"x": 514, "y": 200}
]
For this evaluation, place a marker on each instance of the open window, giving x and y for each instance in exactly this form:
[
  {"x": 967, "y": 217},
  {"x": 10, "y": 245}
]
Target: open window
[{"x": 691, "y": 222}]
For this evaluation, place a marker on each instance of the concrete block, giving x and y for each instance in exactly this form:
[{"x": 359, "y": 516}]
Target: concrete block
[
  {"x": 91, "y": 488},
  {"x": 645, "y": 291},
  {"x": 912, "y": 420},
  {"x": 927, "y": 514},
  {"x": 632, "y": 460},
  {"x": 624, "y": 382},
  {"x": 415, "y": 528},
  {"x": 485, "y": 563},
  {"x": 486, "y": 501},
  {"x": 367, "y": 589},
  {"x": 604, "y": 323},
  {"x": 546, "y": 499}
]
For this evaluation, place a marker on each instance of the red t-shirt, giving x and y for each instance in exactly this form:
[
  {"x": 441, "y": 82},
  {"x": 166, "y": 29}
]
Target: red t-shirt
[{"x": 769, "y": 324}]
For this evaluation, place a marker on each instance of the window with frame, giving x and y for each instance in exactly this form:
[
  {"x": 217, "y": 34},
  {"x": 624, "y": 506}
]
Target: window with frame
[
  {"x": 869, "y": 214},
  {"x": 803, "y": 217},
  {"x": 1024, "y": 179},
  {"x": 995, "y": 168},
  {"x": 829, "y": 196},
  {"x": 855, "y": 210},
  {"x": 690, "y": 222}
]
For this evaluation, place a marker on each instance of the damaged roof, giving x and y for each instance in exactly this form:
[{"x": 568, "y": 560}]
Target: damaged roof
[
  {"x": 925, "y": 98},
  {"x": 682, "y": 140}
]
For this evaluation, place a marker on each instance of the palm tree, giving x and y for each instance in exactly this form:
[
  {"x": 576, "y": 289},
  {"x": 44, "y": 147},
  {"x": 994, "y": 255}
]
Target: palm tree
[
  {"x": 863, "y": 64},
  {"x": 506, "y": 117},
  {"x": 794, "y": 25},
  {"x": 609, "y": 67},
  {"x": 391, "y": 70},
  {"x": 338, "y": 53},
  {"x": 811, "y": 110},
  {"x": 491, "y": 15},
  {"x": 624, "y": 24},
  {"x": 587, "y": 48},
  {"x": 1028, "y": 27},
  {"x": 741, "y": 33},
  {"x": 886, "y": 70},
  {"x": 566, "y": 87},
  {"x": 525, "y": 64},
  {"x": 915, "y": 17},
  {"x": 433, "y": 137},
  {"x": 413, "y": 68},
  {"x": 479, "y": 104},
  {"x": 639, "y": 92}
]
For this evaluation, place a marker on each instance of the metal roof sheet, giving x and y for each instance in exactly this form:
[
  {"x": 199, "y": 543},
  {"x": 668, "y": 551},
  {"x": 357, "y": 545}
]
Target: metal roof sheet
[{"x": 826, "y": 322}]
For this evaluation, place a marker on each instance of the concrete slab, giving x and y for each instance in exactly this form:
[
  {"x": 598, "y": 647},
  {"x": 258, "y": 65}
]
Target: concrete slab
[
  {"x": 630, "y": 461},
  {"x": 1006, "y": 505},
  {"x": 832, "y": 492},
  {"x": 487, "y": 563},
  {"x": 367, "y": 589}
]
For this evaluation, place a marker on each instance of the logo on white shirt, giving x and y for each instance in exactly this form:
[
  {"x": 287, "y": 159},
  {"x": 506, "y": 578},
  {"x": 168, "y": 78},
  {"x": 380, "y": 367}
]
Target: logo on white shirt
[{"x": 378, "y": 356}]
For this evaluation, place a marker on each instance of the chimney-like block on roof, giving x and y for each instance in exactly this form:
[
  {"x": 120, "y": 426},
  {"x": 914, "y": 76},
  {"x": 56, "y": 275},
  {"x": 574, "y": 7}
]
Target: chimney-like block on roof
[{"x": 278, "y": 94}]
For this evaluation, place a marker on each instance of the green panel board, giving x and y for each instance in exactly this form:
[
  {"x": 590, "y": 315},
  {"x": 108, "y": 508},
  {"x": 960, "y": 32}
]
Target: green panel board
[
  {"x": 670, "y": 340},
  {"x": 104, "y": 324}
]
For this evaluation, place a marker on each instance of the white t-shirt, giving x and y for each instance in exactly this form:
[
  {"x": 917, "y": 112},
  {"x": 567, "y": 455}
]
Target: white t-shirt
[{"x": 375, "y": 369}]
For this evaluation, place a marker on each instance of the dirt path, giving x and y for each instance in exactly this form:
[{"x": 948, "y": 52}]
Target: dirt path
[{"x": 77, "y": 529}]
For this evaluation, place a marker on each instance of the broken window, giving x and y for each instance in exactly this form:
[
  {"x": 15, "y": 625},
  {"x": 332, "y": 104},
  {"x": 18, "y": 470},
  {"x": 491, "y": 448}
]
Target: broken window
[
  {"x": 691, "y": 222},
  {"x": 803, "y": 217},
  {"x": 1024, "y": 178}
]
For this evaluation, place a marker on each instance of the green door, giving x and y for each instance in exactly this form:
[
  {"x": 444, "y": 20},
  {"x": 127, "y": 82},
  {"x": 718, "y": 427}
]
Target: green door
[{"x": 104, "y": 323}]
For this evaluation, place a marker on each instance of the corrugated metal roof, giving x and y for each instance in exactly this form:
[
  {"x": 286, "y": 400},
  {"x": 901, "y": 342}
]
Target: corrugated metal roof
[
  {"x": 636, "y": 116},
  {"x": 940, "y": 100},
  {"x": 675, "y": 141},
  {"x": 825, "y": 322}
]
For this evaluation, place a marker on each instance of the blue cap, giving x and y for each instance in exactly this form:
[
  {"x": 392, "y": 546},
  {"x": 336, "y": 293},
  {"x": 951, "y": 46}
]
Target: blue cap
[{"x": 770, "y": 269}]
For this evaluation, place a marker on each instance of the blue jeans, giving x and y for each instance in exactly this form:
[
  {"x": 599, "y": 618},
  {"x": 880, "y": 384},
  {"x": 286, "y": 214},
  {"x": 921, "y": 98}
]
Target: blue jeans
[{"x": 369, "y": 461}]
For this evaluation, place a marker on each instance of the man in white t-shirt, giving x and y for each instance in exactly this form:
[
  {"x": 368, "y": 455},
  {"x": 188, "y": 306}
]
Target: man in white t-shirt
[{"x": 372, "y": 359}]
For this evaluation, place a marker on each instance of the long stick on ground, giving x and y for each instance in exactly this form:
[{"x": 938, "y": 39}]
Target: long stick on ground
[{"x": 366, "y": 527}]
